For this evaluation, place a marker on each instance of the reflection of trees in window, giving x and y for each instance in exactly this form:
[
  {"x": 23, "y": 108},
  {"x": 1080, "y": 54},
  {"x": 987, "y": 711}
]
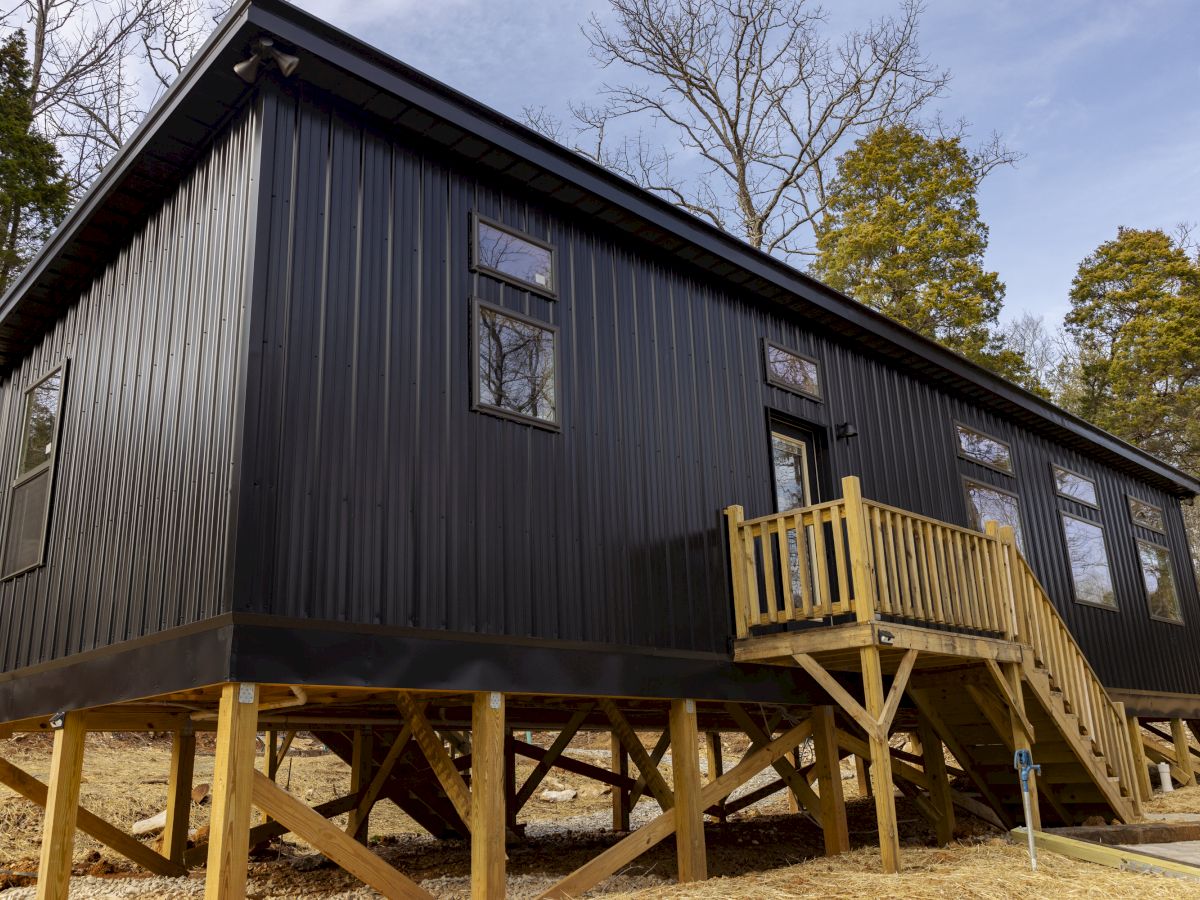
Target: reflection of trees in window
[
  {"x": 1160, "y": 581},
  {"x": 514, "y": 256},
  {"x": 981, "y": 448},
  {"x": 516, "y": 365},
  {"x": 1088, "y": 556},
  {"x": 41, "y": 413},
  {"x": 789, "y": 370},
  {"x": 1146, "y": 515},
  {"x": 1075, "y": 486},
  {"x": 991, "y": 505}
]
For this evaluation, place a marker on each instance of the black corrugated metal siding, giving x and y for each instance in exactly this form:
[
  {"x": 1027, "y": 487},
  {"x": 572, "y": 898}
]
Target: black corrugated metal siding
[
  {"x": 142, "y": 499},
  {"x": 372, "y": 493}
]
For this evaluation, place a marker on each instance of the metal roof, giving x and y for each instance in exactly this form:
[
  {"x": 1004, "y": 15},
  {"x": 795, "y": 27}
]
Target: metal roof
[{"x": 353, "y": 73}]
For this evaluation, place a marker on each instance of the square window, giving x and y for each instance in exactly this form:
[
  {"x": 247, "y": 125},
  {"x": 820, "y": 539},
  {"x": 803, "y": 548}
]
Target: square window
[
  {"x": 1146, "y": 515},
  {"x": 1074, "y": 486},
  {"x": 988, "y": 504},
  {"x": 1159, "y": 578},
  {"x": 1087, "y": 552},
  {"x": 984, "y": 449},
  {"x": 514, "y": 257},
  {"x": 792, "y": 372},
  {"x": 515, "y": 366}
]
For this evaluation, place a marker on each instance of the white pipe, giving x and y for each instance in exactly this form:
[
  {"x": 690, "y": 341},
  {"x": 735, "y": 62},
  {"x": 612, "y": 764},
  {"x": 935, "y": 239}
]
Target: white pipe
[{"x": 1164, "y": 777}]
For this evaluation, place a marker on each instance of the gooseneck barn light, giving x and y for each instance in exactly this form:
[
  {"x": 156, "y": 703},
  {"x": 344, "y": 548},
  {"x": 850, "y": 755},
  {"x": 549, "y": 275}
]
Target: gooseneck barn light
[{"x": 264, "y": 49}]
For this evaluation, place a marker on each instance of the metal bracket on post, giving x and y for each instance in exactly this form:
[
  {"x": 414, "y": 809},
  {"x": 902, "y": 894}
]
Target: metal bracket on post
[{"x": 1023, "y": 763}]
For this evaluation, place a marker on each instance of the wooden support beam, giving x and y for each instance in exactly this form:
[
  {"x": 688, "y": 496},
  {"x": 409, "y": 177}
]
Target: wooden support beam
[
  {"x": 546, "y": 763},
  {"x": 864, "y": 778},
  {"x": 1141, "y": 767},
  {"x": 798, "y": 784},
  {"x": 656, "y": 755},
  {"x": 330, "y": 840},
  {"x": 437, "y": 757},
  {"x": 233, "y": 778},
  {"x": 934, "y": 755},
  {"x": 620, "y": 796},
  {"x": 1183, "y": 752},
  {"x": 829, "y": 782},
  {"x": 90, "y": 824},
  {"x": 638, "y": 842},
  {"x": 271, "y": 828},
  {"x": 714, "y": 758},
  {"x": 881, "y": 760},
  {"x": 370, "y": 795},
  {"x": 179, "y": 795},
  {"x": 62, "y": 809},
  {"x": 1156, "y": 755},
  {"x": 362, "y": 757},
  {"x": 896, "y": 693},
  {"x": 691, "y": 857},
  {"x": 1008, "y": 682},
  {"x": 655, "y": 783},
  {"x": 570, "y": 764},
  {"x": 866, "y": 721},
  {"x": 286, "y": 746},
  {"x": 487, "y": 795},
  {"x": 510, "y": 782},
  {"x": 1106, "y": 855}
]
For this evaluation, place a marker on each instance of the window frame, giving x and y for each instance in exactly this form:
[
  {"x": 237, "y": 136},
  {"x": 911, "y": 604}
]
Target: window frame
[
  {"x": 1062, "y": 529},
  {"x": 962, "y": 454},
  {"x": 49, "y": 467},
  {"x": 477, "y": 405},
  {"x": 1094, "y": 483},
  {"x": 476, "y": 219},
  {"x": 967, "y": 480},
  {"x": 1162, "y": 514},
  {"x": 1137, "y": 543},
  {"x": 816, "y": 396}
]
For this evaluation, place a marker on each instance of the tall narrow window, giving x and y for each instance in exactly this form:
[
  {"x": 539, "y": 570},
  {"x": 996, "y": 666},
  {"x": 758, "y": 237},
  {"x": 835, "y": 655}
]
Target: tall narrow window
[
  {"x": 29, "y": 501},
  {"x": 1159, "y": 579},
  {"x": 988, "y": 504},
  {"x": 792, "y": 372},
  {"x": 516, "y": 366},
  {"x": 511, "y": 256},
  {"x": 1088, "y": 555},
  {"x": 983, "y": 449}
]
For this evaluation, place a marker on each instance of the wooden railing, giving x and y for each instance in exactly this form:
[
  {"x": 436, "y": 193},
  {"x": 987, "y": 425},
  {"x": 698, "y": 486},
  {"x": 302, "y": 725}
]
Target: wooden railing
[{"x": 858, "y": 557}]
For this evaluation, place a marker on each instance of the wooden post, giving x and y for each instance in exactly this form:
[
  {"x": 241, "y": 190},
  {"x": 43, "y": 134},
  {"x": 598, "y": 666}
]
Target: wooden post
[
  {"x": 233, "y": 781},
  {"x": 734, "y": 516},
  {"x": 510, "y": 781},
  {"x": 1021, "y": 740},
  {"x": 829, "y": 782},
  {"x": 689, "y": 810},
  {"x": 934, "y": 757},
  {"x": 794, "y": 804},
  {"x": 1183, "y": 753},
  {"x": 62, "y": 809},
  {"x": 881, "y": 762},
  {"x": 714, "y": 756},
  {"x": 862, "y": 577},
  {"x": 362, "y": 757},
  {"x": 487, "y": 796},
  {"x": 1139, "y": 759},
  {"x": 864, "y": 777},
  {"x": 620, "y": 796},
  {"x": 179, "y": 794}
]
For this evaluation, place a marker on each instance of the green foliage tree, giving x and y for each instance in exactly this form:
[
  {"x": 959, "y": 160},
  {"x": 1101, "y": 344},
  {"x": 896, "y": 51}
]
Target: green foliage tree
[
  {"x": 903, "y": 235},
  {"x": 34, "y": 194},
  {"x": 1135, "y": 318}
]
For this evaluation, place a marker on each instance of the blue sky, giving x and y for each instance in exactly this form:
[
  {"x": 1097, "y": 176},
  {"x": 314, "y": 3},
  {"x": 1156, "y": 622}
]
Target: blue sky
[{"x": 1100, "y": 96}]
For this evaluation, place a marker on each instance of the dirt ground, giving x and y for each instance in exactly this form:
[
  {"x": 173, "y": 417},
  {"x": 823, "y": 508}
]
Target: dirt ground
[{"x": 761, "y": 852}]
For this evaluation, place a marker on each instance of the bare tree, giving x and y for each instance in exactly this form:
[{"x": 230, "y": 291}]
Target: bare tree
[
  {"x": 756, "y": 90},
  {"x": 87, "y": 62}
]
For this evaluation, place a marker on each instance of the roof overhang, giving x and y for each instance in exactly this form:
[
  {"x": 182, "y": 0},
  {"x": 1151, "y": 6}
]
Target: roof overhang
[{"x": 208, "y": 94}]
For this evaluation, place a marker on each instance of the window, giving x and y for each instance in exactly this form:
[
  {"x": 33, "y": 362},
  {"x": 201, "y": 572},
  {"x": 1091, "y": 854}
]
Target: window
[
  {"x": 988, "y": 504},
  {"x": 1074, "y": 486},
  {"x": 517, "y": 258},
  {"x": 515, "y": 366},
  {"x": 1088, "y": 555},
  {"x": 983, "y": 449},
  {"x": 1147, "y": 515},
  {"x": 1159, "y": 579},
  {"x": 792, "y": 372},
  {"x": 29, "y": 501},
  {"x": 790, "y": 457}
]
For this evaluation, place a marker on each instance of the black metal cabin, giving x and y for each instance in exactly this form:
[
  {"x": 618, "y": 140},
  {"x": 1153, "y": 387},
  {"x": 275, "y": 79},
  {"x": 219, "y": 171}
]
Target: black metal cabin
[{"x": 273, "y": 462}]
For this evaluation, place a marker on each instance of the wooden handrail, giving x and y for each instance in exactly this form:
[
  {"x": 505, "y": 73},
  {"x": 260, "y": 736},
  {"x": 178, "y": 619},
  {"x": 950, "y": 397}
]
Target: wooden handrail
[{"x": 863, "y": 558}]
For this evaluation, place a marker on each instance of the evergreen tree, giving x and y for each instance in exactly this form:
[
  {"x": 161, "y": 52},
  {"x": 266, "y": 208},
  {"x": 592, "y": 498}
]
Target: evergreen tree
[
  {"x": 34, "y": 194},
  {"x": 903, "y": 235}
]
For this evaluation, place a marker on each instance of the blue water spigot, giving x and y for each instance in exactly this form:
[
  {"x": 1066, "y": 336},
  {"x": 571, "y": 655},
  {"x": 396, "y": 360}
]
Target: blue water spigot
[{"x": 1023, "y": 763}]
